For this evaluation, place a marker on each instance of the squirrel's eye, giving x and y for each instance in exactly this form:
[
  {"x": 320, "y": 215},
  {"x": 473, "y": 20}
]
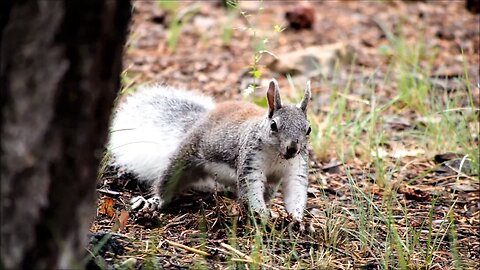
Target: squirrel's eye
[
  {"x": 309, "y": 130},
  {"x": 273, "y": 125}
]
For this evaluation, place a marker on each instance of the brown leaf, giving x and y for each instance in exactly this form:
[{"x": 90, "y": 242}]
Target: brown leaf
[
  {"x": 464, "y": 187},
  {"x": 106, "y": 208},
  {"x": 123, "y": 219},
  {"x": 414, "y": 194},
  {"x": 120, "y": 222}
]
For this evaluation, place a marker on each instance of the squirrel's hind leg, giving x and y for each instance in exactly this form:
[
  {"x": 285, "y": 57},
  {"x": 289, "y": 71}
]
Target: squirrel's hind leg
[
  {"x": 184, "y": 169},
  {"x": 139, "y": 202},
  {"x": 179, "y": 176}
]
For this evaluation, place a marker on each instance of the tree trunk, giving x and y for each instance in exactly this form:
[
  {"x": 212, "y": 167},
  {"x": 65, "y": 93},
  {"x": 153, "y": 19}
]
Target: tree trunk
[
  {"x": 473, "y": 6},
  {"x": 59, "y": 74}
]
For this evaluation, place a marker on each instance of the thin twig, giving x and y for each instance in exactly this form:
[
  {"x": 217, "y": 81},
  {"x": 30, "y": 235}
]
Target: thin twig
[
  {"x": 245, "y": 258},
  {"x": 236, "y": 251},
  {"x": 194, "y": 250}
]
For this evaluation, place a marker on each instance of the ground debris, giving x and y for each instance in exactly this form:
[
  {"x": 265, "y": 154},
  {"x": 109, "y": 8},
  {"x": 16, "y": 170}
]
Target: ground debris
[{"x": 357, "y": 206}]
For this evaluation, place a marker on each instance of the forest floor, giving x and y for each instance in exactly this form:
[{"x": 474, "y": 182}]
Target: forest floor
[{"x": 394, "y": 175}]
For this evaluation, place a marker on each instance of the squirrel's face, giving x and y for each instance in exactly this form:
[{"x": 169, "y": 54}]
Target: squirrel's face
[
  {"x": 289, "y": 127},
  {"x": 289, "y": 131}
]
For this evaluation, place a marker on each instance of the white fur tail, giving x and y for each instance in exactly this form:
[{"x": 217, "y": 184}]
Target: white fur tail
[{"x": 150, "y": 125}]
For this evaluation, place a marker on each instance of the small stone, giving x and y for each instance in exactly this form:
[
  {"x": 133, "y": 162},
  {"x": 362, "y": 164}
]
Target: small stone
[
  {"x": 301, "y": 16},
  {"x": 311, "y": 61}
]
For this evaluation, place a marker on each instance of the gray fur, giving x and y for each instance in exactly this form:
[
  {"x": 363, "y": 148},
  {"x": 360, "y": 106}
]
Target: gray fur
[{"x": 245, "y": 155}]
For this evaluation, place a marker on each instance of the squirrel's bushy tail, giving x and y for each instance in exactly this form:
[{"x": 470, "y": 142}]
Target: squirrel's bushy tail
[{"x": 149, "y": 127}]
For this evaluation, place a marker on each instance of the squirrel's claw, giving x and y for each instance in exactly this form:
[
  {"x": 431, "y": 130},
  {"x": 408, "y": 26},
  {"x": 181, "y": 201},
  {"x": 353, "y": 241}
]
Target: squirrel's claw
[{"x": 297, "y": 225}]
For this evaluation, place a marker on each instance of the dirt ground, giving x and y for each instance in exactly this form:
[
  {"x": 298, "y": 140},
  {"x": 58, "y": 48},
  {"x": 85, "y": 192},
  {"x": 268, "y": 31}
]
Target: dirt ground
[{"x": 215, "y": 52}]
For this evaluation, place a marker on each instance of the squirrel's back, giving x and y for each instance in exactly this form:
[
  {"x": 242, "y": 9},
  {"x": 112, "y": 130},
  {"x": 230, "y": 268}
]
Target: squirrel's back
[{"x": 150, "y": 125}]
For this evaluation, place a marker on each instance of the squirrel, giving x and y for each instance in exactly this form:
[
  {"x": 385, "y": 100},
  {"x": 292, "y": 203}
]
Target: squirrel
[{"x": 174, "y": 139}]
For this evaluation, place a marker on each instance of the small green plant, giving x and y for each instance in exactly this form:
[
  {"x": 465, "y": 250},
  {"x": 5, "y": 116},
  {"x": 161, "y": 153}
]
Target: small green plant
[
  {"x": 177, "y": 24},
  {"x": 92, "y": 254},
  {"x": 259, "y": 43},
  {"x": 179, "y": 18},
  {"x": 170, "y": 5},
  {"x": 228, "y": 28}
]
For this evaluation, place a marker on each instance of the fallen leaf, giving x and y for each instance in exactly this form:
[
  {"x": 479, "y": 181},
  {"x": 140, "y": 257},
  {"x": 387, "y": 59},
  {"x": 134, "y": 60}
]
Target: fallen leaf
[
  {"x": 464, "y": 188},
  {"x": 315, "y": 212},
  {"x": 379, "y": 152},
  {"x": 123, "y": 219},
  {"x": 397, "y": 151},
  {"x": 414, "y": 194},
  {"x": 106, "y": 208},
  {"x": 400, "y": 153},
  {"x": 428, "y": 120},
  {"x": 120, "y": 222}
]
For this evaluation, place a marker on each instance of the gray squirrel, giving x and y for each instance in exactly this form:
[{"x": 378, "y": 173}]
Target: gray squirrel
[{"x": 174, "y": 139}]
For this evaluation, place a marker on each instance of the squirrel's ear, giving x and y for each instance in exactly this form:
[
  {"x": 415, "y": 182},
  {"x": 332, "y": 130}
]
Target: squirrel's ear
[
  {"x": 273, "y": 98},
  {"x": 306, "y": 98}
]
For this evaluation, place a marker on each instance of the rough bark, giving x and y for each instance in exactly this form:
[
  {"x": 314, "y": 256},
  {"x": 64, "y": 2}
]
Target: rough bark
[
  {"x": 59, "y": 73},
  {"x": 473, "y": 6}
]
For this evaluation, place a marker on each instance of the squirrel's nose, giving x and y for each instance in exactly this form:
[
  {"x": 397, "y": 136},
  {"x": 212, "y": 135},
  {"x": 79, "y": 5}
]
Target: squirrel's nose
[{"x": 292, "y": 150}]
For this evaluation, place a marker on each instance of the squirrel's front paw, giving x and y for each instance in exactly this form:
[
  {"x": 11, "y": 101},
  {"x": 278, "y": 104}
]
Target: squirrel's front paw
[
  {"x": 139, "y": 202},
  {"x": 261, "y": 213},
  {"x": 298, "y": 224}
]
